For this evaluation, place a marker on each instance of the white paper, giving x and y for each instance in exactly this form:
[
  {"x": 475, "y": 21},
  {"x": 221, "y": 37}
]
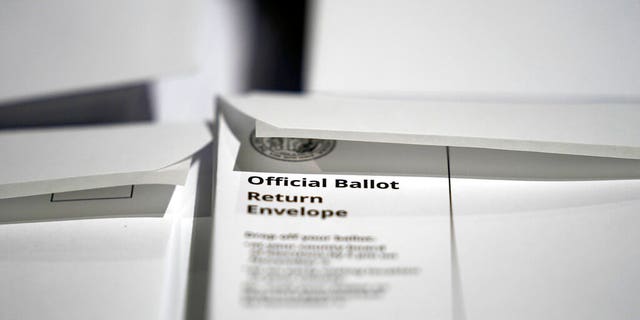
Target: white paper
[
  {"x": 536, "y": 247},
  {"x": 404, "y": 274}
]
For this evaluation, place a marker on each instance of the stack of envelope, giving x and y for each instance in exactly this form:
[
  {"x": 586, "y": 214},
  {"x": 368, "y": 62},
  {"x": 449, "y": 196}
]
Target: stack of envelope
[
  {"x": 331, "y": 207},
  {"x": 58, "y": 259}
]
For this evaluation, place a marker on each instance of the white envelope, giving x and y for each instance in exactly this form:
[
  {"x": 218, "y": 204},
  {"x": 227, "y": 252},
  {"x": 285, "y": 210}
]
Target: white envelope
[
  {"x": 55, "y": 263},
  {"x": 46, "y": 172},
  {"x": 120, "y": 267},
  {"x": 535, "y": 234},
  {"x": 242, "y": 288}
]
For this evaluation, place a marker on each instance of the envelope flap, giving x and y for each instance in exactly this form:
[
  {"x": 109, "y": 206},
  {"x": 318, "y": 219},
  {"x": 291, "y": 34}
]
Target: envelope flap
[
  {"x": 51, "y": 154},
  {"x": 595, "y": 129}
]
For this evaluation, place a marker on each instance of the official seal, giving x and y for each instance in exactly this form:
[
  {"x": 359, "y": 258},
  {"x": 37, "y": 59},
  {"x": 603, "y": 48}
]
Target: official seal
[{"x": 292, "y": 149}]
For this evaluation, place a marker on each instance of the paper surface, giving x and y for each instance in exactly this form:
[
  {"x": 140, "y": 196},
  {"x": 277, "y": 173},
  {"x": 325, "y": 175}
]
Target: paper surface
[
  {"x": 109, "y": 268},
  {"x": 58, "y": 160},
  {"x": 592, "y": 129},
  {"x": 70, "y": 45},
  {"x": 341, "y": 256},
  {"x": 545, "y": 249},
  {"x": 415, "y": 48}
]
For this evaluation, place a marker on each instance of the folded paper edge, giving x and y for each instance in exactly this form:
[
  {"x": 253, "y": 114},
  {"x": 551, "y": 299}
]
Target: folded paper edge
[
  {"x": 623, "y": 152},
  {"x": 175, "y": 174}
]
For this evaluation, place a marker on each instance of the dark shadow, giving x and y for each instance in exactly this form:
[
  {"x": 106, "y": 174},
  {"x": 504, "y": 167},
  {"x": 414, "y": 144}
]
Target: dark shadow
[
  {"x": 122, "y": 104},
  {"x": 278, "y": 47},
  {"x": 199, "y": 277}
]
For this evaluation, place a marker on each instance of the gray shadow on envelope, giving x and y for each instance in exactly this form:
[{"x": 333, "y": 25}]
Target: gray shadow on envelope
[
  {"x": 199, "y": 276},
  {"x": 347, "y": 157},
  {"x": 123, "y": 201},
  {"x": 547, "y": 181},
  {"x": 356, "y": 157}
]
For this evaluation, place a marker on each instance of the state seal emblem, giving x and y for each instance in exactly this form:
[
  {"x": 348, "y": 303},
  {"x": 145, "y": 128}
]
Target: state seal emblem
[{"x": 292, "y": 149}]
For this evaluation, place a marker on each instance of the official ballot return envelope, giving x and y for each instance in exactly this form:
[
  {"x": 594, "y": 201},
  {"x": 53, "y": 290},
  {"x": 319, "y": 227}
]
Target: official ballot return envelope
[
  {"x": 501, "y": 209},
  {"x": 310, "y": 227},
  {"x": 101, "y": 171}
]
